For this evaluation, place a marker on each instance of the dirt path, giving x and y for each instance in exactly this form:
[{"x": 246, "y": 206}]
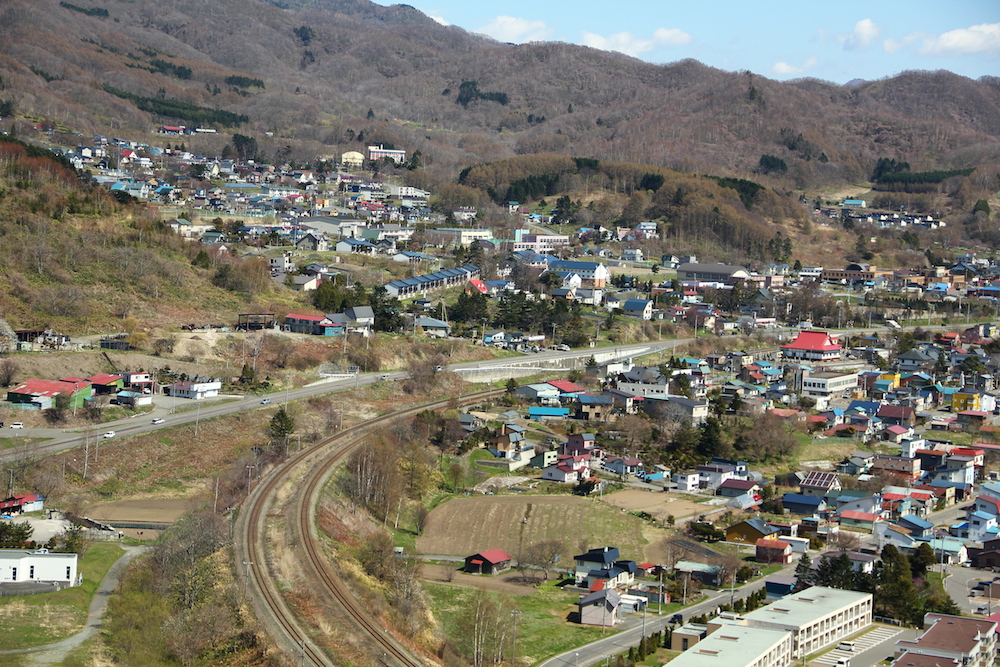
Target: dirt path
[
  {"x": 510, "y": 583},
  {"x": 55, "y": 654}
]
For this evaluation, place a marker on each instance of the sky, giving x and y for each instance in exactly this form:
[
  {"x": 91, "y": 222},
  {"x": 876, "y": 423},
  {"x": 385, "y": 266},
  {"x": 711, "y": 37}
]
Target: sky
[{"x": 782, "y": 40}]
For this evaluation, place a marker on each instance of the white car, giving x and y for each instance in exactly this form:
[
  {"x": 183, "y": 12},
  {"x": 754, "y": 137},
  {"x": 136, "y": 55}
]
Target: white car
[
  {"x": 265, "y": 401},
  {"x": 159, "y": 420},
  {"x": 109, "y": 434},
  {"x": 17, "y": 425}
]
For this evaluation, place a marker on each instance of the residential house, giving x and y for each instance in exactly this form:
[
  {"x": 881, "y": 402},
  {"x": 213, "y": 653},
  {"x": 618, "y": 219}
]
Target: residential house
[
  {"x": 860, "y": 520},
  {"x": 773, "y": 551},
  {"x": 677, "y": 408},
  {"x": 542, "y": 392},
  {"x": 31, "y": 502},
  {"x": 641, "y": 308},
  {"x": 600, "y": 608},
  {"x": 900, "y": 468},
  {"x": 751, "y": 530},
  {"x": 799, "y": 504},
  {"x": 733, "y": 488},
  {"x": 712, "y": 475},
  {"x": 970, "y": 642},
  {"x": 819, "y": 484},
  {"x": 433, "y": 327},
  {"x": 355, "y": 246},
  {"x": 706, "y": 574},
  {"x": 687, "y": 481},
  {"x": 594, "y": 559},
  {"x": 897, "y": 415},
  {"x": 623, "y": 465},
  {"x": 595, "y": 407}
]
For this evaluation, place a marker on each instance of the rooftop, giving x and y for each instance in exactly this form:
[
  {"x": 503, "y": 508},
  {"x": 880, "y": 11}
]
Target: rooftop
[
  {"x": 802, "y": 609},
  {"x": 732, "y": 646},
  {"x": 951, "y": 633}
]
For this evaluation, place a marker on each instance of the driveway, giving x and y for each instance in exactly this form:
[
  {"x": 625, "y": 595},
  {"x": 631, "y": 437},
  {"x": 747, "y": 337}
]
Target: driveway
[{"x": 56, "y": 653}]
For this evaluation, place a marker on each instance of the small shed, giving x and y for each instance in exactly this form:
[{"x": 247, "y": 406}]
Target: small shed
[{"x": 493, "y": 561}]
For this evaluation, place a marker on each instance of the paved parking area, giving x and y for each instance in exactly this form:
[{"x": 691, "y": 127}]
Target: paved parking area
[{"x": 883, "y": 636}]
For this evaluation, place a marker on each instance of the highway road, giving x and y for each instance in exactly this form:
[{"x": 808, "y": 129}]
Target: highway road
[{"x": 59, "y": 440}]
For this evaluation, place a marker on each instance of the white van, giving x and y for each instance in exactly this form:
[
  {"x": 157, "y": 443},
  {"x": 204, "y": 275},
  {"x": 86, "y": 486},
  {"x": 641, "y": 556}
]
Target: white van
[{"x": 846, "y": 646}]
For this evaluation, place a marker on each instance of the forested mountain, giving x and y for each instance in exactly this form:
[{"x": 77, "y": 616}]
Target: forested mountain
[{"x": 325, "y": 76}]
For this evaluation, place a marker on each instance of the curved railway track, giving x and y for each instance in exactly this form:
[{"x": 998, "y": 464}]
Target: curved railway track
[{"x": 316, "y": 464}]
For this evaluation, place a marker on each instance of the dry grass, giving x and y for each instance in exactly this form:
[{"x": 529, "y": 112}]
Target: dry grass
[{"x": 466, "y": 525}]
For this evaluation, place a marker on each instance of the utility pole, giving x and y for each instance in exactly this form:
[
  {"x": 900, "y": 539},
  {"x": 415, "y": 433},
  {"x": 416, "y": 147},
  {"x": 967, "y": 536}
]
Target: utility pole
[
  {"x": 246, "y": 578},
  {"x": 513, "y": 658},
  {"x": 249, "y": 478},
  {"x": 10, "y": 487},
  {"x": 232, "y": 519}
]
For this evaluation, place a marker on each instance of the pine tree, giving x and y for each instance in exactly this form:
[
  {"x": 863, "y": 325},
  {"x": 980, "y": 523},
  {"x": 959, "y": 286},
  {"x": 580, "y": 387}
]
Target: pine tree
[{"x": 804, "y": 575}]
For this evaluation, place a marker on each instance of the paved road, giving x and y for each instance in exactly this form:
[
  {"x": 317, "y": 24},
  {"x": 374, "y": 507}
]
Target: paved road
[
  {"x": 632, "y": 628},
  {"x": 56, "y": 653},
  {"x": 59, "y": 440}
]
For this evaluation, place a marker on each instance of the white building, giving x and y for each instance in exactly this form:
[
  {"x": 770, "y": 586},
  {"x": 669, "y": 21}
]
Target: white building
[
  {"x": 739, "y": 646},
  {"x": 817, "y": 617},
  {"x": 828, "y": 384},
  {"x": 195, "y": 390},
  {"x": 20, "y": 566}
]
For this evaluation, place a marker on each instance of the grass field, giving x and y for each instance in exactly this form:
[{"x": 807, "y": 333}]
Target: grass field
[
  {"x": 466, "y": 525},
  {"x": 543, "y": 629},
  {"x": 35, "y": 620}
]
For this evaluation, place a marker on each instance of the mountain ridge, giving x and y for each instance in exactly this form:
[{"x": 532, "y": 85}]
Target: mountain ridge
[{"x": 326, "y": 63}]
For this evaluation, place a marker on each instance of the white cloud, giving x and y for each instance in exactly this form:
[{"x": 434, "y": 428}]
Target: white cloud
[
  {"x": 438, "y": 19},
  {"x": 891, "y": 45},
  {"x": 864, "y": 32},
  {"x": 784, "y": 69},
  {"x": 629, "y": 44},
  {"x": 511, "y": 29},
  {"x": 979, "y": 39}
]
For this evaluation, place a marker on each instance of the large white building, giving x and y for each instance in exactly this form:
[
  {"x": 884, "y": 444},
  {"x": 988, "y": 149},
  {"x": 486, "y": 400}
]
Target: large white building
[
  {"x": 817, "y": 617},
  {"x": 739, "y": 646},
  {"x": 829, "y": 384},
  {"x": 21, "y": 566}
]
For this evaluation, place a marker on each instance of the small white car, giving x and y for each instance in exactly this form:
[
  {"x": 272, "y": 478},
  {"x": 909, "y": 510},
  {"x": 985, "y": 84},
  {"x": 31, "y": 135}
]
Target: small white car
[
  {"x": 109, "y": 434},
  {"x": 17, "y": 425},
  {"x": 265, "y": 401},
  {"x": 159, "y": 420}
]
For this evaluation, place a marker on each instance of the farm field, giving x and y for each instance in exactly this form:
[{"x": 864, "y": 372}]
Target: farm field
[
  {"x": 659, "y": 504},
  {"x": 159, "y": 510},
  {"x": 463, "y": 526}
]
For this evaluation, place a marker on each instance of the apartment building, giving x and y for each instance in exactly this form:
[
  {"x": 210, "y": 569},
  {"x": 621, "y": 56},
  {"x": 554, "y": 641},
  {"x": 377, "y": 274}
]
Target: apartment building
[{"x": 971, "y": 642}]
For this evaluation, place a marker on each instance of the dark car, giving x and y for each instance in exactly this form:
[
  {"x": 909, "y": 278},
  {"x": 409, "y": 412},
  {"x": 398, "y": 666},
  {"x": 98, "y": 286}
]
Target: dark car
[{"x": 677, "y": 618}]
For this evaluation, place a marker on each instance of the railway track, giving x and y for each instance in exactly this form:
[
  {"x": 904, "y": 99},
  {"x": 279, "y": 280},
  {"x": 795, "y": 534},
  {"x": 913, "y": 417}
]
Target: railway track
[{"x": 316, "y": 464}]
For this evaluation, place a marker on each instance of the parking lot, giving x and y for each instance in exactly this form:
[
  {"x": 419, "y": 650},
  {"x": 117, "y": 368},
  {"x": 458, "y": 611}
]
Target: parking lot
[{"x": 869, "y": 649}]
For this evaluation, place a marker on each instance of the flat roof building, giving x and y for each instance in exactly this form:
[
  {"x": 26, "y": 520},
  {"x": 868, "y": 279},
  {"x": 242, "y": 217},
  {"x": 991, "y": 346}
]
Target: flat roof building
[
  {"x": 739, "y": 646},
  {"x": 817, "y": 617}
]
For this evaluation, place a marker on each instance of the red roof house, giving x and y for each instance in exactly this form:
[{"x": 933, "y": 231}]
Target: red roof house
[
  {"x": 773, "y": 551},
  {"x": 493, "y": 561}
]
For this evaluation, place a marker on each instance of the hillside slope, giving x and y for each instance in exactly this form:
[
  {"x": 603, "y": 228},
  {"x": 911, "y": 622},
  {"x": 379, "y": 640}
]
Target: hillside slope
[{"x": 325, "y": 64}]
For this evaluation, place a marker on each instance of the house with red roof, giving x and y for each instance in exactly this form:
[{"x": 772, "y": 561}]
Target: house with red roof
[
  {"x": 31, "y": 502},
  {"x": 37, "y": 394},
  {"x": 773, "y": 551},
  {"x": 567, "y": 388},
  {"x": 863, "y": 520},
  {"x": 316, "y": 325},
  {"x": 493, "y": 561},
  {"x": 812, "y": 345},
  {"x": 106, "y": 383}
]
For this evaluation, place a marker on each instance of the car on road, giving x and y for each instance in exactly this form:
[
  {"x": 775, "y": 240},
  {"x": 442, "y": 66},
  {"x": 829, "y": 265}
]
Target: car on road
[
  {"x": 159, "y": 420},
  {"x": 265, "y": 401},
  {"x": 677, "y": 618},
  {"x": 385, "y": 376},
  {"x": 563, "y": 348},
  {"x": 17, "y": 425},
  {"x": 109, "y": 434}
]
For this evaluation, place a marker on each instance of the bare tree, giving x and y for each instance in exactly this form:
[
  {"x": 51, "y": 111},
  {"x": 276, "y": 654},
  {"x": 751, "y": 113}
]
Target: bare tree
[
  {"x": 420, "y": 515},
  {"x": 8, "y": 370}
]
